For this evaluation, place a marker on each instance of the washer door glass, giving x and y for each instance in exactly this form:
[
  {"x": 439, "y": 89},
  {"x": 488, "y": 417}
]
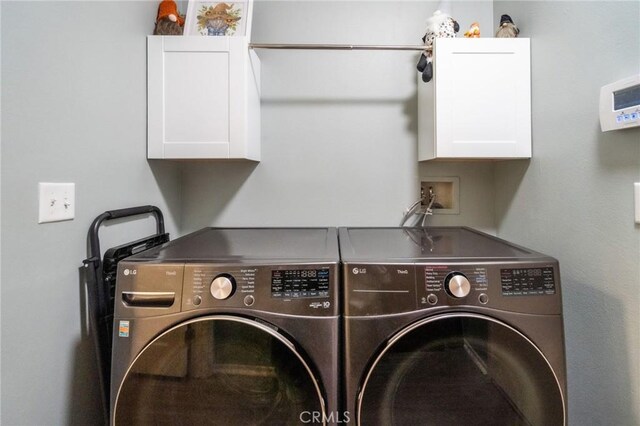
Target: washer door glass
[
  {"x": 218, "y": 370},
  {"x": 461, "y": 369}
]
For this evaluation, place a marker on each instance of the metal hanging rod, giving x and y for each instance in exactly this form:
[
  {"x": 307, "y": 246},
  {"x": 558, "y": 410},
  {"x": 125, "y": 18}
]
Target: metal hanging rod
[{"x": 334, "y": 47}]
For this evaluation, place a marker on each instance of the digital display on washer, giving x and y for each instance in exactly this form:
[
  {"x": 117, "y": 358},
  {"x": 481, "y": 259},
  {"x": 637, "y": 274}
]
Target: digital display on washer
[
  {"x": 527, "y": 281},
  {"x": 299, "y": 283}
]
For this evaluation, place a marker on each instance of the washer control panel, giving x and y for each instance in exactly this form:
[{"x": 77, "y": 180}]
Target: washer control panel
[
  {"x": 223, "y": 286},
  {"x": 300, "y": 283},
  {"x": 298, "y": 289},
  {"x": 205, "y": 282}
]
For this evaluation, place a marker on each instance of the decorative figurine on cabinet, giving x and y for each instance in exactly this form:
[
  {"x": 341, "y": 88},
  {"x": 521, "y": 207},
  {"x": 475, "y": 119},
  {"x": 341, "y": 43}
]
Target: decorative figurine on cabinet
[
  {"x": 169, "y": 21},
  {"x": 473, "y": 31},
  {"x": 507, "y": 28},
  {"x": 439, "y": 25}
]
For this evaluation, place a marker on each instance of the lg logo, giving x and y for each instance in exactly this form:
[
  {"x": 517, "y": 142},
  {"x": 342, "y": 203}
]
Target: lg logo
[{"x": 357, "y": 271}]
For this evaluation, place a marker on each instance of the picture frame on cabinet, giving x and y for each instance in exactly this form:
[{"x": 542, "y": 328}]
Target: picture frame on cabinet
[{"x": 207, "y": 18}]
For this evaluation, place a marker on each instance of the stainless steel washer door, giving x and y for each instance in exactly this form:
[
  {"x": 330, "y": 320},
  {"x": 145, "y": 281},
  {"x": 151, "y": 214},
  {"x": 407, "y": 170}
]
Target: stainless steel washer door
[
  {"x": 460, "y": 369},
  {"x": 218, "y": 370}
]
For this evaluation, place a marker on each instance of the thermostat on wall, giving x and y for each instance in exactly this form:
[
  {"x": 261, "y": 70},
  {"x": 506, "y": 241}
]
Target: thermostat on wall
[{"x": 620, "y": 104}]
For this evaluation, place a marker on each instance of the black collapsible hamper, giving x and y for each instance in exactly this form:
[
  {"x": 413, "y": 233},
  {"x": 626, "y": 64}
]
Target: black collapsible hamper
[{"x": 101, "y": 281}]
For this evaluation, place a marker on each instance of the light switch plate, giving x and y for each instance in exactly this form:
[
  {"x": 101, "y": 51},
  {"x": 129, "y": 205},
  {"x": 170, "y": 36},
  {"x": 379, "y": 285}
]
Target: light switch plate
[
  {"x": 636, "y": 187},
  {"x": 57, "y": 201}
]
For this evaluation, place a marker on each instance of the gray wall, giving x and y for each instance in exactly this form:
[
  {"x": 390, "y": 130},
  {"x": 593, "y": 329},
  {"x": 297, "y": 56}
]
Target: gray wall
[
  {"x": 574, "y": 199},
  {"x": 338, "y": 128},
  {"x": 73, "y": 110},
  {"x": 339, "y": 147}
]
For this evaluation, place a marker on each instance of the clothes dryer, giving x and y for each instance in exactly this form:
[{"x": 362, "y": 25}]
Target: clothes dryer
[
  {"x": 228, "y": 327},
  {"x": 450, "y": 326}
]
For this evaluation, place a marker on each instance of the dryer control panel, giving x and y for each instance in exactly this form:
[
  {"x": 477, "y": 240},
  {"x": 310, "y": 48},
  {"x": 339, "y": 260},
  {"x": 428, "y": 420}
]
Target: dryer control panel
[
  {"x": 527, "y": 281},
  {"x": 519, "y": 287},
  {"x": 383, "y": 289},
  {"x": 454, "y": 284},
  {"x": 437, "y": 276}
]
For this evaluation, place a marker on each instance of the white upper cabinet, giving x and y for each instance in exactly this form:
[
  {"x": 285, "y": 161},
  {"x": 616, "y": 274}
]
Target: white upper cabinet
[
  {"x": 203, "y": 98},
  {"x": 478, "y": 105}
]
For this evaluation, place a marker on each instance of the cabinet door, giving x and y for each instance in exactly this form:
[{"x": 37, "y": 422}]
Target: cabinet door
[
  {"x": 483, "y": 98},
  {"x": 193, "y": 96}
]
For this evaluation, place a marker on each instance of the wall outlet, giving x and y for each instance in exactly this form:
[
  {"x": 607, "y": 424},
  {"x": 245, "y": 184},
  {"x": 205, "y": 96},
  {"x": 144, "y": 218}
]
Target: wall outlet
[
  {"x": 446, "y": 191},
  {"x": 57, "y": 202}
]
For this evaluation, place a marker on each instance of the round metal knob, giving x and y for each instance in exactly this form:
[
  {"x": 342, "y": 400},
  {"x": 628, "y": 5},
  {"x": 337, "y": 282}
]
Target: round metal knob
[
  {"x": 457, "y": 285},
  {"x": 222, "y": 287}
]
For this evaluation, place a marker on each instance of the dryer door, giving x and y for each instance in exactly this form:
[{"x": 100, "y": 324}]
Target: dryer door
[
  {"x": 218, "y": 370},
  {"x": 460, "y": 369}
]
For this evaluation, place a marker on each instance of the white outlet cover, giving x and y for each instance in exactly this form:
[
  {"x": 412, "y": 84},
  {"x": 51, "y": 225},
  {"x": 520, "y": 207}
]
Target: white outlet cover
[{"x": 57, "y": 202}]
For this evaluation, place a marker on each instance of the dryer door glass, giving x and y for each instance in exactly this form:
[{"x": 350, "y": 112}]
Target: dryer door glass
[
  {"x": 218, "y": 370},
  {"x": 461, "y": 370}
]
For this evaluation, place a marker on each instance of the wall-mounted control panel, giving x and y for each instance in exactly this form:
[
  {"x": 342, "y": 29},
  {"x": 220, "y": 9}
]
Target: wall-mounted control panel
[{"x": 620, "y": 104}]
